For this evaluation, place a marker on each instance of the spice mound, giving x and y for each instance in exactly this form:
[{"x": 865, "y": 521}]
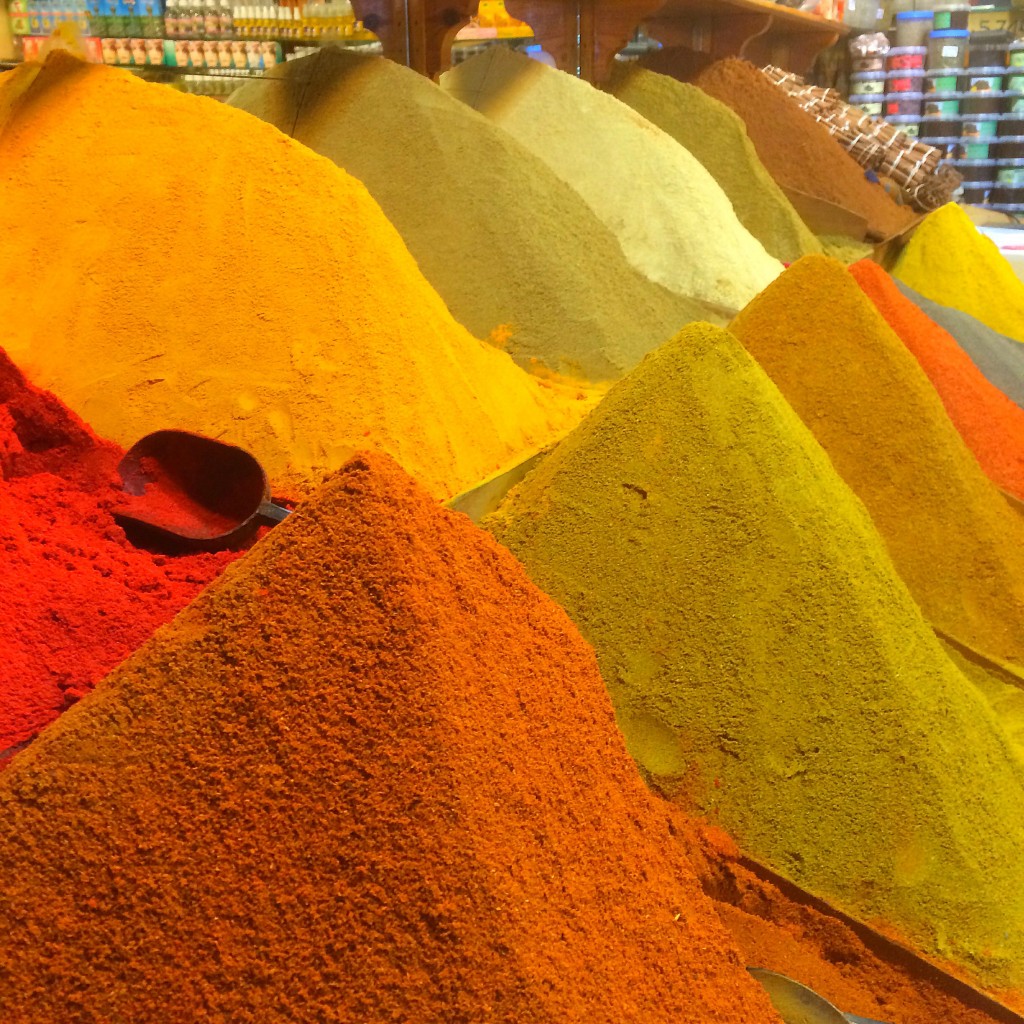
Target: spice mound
[
  {"x": 948, "y": 260},
  {"x": 77, "y": 597},
  {"x": 718, "y": 139},
  {"x": 999, "y": 358},
  {"x": 512, "y": 246},
  {"x": 765, "y": 661},
  {"x": 252, "y": 292},
  {"x": 953, "y": 537},
  {"x": 990, "y": 423},
  {"x": 798, "y": 151},
  {"x": 672, "y": 219},
  {"x": 371, "y": 774}
]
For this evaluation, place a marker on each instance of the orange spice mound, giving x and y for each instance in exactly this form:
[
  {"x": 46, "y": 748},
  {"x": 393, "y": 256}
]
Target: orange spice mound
[
  {"x": 989, "y": 422},
  {"x": 780, "y": 928},
  {"x": 371, "y": 775}
]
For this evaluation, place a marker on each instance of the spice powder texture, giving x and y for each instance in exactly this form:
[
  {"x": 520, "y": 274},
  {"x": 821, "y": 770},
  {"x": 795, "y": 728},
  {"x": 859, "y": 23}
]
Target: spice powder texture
[
  {"x": 990, "y": 423},
  {"x": 672, "y": 219},
  {"x": 1001, "y": 359},
  {"x": 78, "y": 598},
  {"x": 948, "y": 260},
  {"x": 502, "y": 238},
  {"x": 265, "y": 300},
  {"x": 372, "y": 774},
  {"x": 765, "y": 661},
  {"x": 951, "y": 534},
  {"x": 798, "y": 152},
  {"x": 718, "y": 139}
]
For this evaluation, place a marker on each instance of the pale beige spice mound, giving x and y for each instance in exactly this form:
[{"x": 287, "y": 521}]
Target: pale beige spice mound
[{"x": 718, "y": 139}]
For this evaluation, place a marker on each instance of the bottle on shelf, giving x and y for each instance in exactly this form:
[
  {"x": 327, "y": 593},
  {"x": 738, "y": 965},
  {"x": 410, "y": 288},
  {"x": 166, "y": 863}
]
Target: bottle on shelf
[
  {"x": 211, "y": 19},
  {"x": 226, "y": 20}
]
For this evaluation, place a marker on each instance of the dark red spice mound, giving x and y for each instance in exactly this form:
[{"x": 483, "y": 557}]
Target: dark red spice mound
[{"x": 77, "y": 597}]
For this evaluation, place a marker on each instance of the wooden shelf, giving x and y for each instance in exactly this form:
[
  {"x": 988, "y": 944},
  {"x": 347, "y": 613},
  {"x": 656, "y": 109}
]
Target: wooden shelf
[{"x": 692, "y": 32}]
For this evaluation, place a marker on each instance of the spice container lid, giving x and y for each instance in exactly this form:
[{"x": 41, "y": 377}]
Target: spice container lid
[
  {"x": 948, "y": 33},
  {"x": 913, "y": 16},
  {"x": 867, "y": 76},
  {"x": 983, "y": 71},
  {"x": 893, "y": 96},
  {"x": 907, "y": 51}
]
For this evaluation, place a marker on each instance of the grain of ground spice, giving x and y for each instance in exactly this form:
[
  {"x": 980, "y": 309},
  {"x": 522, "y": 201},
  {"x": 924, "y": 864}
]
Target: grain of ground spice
[
  {"x": 766, "y": 664},
  {"x": 257, "y": 834},
  {"x": 280, "y": 311},
  {"x": 991, "y": 425},
  {"x": 1001, "y": 359},
  {"x": 511, "y": 245},
  {"x": 718, "y": 139},
  {"x": 953, "y": 537},
  {"x": 77, "y": 597},
  {"x": 797, "y": 151},
  {"x": 949, "y": 260},
  {"x": 672, "y": 219}
]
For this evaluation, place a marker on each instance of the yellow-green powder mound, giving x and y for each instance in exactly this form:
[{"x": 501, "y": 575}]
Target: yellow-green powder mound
[
  {"x": 765, "y": 659},
  {"x": 951, "y": 534},
  {"x": 718, "y": 139},
  {"x": 948, "y": 260}
]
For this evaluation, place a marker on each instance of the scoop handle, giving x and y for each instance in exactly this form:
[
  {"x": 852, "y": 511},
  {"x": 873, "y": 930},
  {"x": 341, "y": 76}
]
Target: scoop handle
[{"x": 273, "y": 513}]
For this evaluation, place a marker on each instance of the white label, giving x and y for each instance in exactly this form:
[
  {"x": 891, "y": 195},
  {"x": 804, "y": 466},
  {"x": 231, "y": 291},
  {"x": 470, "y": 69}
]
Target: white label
[{"x": 950, "y": 51}]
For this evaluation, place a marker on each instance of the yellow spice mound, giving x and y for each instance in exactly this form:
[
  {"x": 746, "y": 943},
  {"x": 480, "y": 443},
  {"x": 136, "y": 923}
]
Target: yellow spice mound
[
  {"x": 171, "y": 262},
  {"x": 948, "y": 260}
]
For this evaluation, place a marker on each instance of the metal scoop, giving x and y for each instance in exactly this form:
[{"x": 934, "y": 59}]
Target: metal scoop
[
  {"x": 183, "y": 490},
  {"x": 797, "y": 1004}
]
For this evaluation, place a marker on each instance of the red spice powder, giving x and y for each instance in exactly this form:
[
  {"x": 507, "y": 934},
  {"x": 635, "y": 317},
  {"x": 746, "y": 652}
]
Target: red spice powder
[
  {"x": 77, "y": 598},
  {"x": 370, "y": 775},
  {"x": 989, "y": 422},
  {"x": 777, "y": 927}
]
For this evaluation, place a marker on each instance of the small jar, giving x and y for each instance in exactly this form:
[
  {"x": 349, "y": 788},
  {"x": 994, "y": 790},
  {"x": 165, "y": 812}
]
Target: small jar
[
  {"x": 1011, "y": 175},
  {"x": 910, "y": 126},
  {"x": 942, "y": 108},
  {"x": 903, "y": 104},
  {"x": 951, "y": 16},
  {"x": 872, "y": 108},
  {"x": 947, "y": 48},
  {"x": 975, "y": 170},
  {"x": 977, "y": 193},
  {"x": 905, "y": 81},
  {"x": 862, "y": 64},
  {"x": 913, "y": 28},
  {"x": 906, "y": 58},
  {"x": 867, "y": 83},
  {"x": 979, "y": 127},
  {"x": 981, "y": 103},
  {"x": 943, "y": 83},
  {"x": 974, "y": 151}
]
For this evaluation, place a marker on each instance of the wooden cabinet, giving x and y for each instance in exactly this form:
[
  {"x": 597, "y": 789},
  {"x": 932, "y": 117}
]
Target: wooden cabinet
[{"x": 583, "y": 36}]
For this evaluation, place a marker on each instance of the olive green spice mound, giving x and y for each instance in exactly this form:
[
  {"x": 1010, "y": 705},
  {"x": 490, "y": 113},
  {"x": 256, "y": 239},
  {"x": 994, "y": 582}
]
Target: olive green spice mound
[
  {"x": 766, "y": 662},
  {"x": 512, "y": 249}
]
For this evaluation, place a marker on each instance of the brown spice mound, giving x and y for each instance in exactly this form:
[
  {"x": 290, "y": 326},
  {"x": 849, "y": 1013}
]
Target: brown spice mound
[
  {"x": 370, "y": 775},
  {"x": 798, "y": 151}
]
